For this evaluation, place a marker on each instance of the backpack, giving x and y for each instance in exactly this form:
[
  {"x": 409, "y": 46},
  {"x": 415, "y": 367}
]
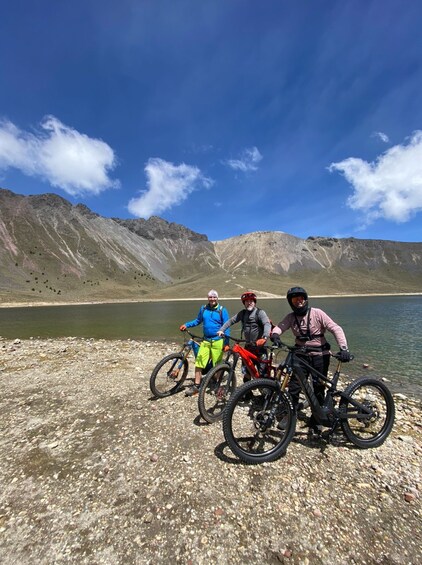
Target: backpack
[
  {"x": 219, "y": 310},
  {"x": 258, "y": 320}
]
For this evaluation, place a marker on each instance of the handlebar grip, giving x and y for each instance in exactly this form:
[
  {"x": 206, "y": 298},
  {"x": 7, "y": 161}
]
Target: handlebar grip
[{"x": 337, "y": 356}]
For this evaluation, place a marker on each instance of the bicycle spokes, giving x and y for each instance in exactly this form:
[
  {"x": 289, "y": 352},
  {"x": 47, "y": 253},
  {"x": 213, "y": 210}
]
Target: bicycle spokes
[
  {"x": 367, "y": 414},
  {"x": 168, "y": 375},
  {"x": 259, "y": 421},
  {"x": 215, "y": 391}
]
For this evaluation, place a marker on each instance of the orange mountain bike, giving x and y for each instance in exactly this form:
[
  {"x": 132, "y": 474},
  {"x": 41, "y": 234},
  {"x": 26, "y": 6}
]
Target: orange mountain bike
[{"x": 220, "y": 382}]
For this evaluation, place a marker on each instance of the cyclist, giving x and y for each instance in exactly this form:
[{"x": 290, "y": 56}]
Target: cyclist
[
  {"x": 309, "y": 325},
  {"x": 256, "y": 326},
  {"x": 212, "y": 316}
]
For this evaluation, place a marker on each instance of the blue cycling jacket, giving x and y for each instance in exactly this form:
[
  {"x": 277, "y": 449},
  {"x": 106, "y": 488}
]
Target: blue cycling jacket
[{"x": 212, "y": 319}]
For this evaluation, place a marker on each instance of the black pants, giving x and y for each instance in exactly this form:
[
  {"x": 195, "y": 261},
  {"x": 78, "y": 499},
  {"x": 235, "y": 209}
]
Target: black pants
[{"x": 318, "y": 362}]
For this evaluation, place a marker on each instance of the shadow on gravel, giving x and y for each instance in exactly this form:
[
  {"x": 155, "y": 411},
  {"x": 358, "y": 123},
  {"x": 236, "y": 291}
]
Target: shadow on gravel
[
  {"x": 322, "y": 442},
  {"x": 200, "y": 423},
  {"x": 222, "y": 450},
  {"x": 153, "y": 398},
  {"x": 219, "y": 452}
]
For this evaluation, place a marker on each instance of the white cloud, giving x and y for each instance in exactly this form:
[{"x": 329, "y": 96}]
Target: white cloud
[
  {"x": 390, "y": 187},
  {"x": 248, "y": 160},
  {"x": 168, "y": 186},
  {"x": 61, "y": 155},
  {"x": 382, "y": 136}
]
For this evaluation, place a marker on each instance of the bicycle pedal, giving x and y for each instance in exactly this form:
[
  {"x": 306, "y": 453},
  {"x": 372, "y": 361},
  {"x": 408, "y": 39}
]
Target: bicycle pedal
[{"x": 315, "y": 433}]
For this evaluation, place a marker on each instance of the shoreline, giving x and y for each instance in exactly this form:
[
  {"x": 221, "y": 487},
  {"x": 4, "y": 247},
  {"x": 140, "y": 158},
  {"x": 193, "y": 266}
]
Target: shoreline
[{"x": 15, "y": 304}]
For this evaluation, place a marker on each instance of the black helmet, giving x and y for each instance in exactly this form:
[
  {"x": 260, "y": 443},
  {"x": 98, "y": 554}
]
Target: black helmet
[
  {"x": 297, "y": 291},
  {"x": 248, "y": 296}
]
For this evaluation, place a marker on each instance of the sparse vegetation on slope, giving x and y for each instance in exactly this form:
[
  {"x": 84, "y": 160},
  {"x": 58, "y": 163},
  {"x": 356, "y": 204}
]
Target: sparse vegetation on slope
[{"x": 52, "y": 251}]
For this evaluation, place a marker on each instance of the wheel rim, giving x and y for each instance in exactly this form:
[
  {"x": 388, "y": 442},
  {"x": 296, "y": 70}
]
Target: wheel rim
[
  {"x": 170, "y": 376},
  {"x": 217, "y": 393},
  {"x": 371, "y": 421},
  {"x": 256, "y": 419}
]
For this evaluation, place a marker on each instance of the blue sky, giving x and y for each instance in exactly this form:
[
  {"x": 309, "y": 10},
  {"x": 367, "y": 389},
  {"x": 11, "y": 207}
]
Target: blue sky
[{"x": 226, "y": 116}]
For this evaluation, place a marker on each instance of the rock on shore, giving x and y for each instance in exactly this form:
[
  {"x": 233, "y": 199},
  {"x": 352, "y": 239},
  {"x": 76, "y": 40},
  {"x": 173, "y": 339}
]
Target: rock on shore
[{"x": 95, "y": 471}]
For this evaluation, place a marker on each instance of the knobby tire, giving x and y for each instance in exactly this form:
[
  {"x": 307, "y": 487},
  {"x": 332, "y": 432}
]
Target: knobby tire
[
  {"x": 259, "y": 421},
  {"x": 168, "y": 375},
  {"x": 365, "y": 430},
  {"x": 216, "y": 389}
]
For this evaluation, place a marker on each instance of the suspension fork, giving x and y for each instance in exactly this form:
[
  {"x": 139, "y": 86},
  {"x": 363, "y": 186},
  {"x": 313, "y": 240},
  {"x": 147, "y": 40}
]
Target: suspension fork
[
  {"x": 185, "y": 354},
  {"x": 177, "y": 365},
  {"x": 272, "y": 402},
  {"x": 233, "y": 364}
]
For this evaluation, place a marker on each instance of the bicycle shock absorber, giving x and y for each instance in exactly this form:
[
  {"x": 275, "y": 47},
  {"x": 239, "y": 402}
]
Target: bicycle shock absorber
[{"x": 283, "y": 375}]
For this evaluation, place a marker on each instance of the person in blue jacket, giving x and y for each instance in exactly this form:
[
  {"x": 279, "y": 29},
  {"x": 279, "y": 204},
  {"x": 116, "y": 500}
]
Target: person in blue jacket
[{"x": 212, "y": 316}]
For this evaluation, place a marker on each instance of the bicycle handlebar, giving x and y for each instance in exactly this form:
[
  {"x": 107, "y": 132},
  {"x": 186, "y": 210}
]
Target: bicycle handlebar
[
  {"x": 306, "y": 349},
  {"x": 235, "y": 339},
  {"x": 250, "y": 343},
  {"x": 199, "y": 338},
  {"x": 193, "y": 336}
]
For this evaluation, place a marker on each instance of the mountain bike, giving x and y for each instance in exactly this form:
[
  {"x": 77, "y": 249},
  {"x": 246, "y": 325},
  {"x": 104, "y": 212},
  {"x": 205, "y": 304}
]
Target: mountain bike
[
  {"x": 220, "y": 382},
  {"x": 170, "y": 373},
  {"x": 259, "y": 420}
]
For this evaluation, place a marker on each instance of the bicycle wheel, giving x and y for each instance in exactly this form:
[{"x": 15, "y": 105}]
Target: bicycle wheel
[
  {"x": 259, "y": 421},
  {"x": 216, "y": 388},
  {"x": 369, "y": 424},
  {"x": 168, "y": 375}
]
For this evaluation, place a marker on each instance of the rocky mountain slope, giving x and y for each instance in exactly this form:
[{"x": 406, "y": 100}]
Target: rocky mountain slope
[{"x": 51, "y": 250}]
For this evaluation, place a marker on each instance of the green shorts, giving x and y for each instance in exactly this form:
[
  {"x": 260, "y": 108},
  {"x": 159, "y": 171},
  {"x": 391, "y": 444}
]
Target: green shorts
[{"x": 207, "y": 350}]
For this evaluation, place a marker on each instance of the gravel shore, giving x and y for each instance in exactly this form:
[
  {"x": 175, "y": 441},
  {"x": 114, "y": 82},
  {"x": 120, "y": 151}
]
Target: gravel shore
[{"x": 95, "y": 471}]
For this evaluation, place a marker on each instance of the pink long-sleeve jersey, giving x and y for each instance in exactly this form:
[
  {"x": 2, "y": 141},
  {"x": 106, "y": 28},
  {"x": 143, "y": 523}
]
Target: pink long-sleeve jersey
[{"x": 319, "y": 323}]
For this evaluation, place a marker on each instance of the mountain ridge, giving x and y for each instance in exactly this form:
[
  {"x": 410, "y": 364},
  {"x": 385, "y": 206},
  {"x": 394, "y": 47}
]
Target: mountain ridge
[{"x": 54, "y": 251}]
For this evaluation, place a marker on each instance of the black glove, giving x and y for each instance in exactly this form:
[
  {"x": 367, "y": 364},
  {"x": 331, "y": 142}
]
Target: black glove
[
  {"x": 275, "y": 338},
  {"x": 344, "y": 355}
]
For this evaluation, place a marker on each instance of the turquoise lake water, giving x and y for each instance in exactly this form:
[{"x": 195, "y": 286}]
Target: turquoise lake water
[{"x": 382, "y": 332}]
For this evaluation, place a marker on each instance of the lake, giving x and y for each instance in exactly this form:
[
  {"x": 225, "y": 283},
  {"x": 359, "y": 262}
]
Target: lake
[{"x": 382, "y": 332}]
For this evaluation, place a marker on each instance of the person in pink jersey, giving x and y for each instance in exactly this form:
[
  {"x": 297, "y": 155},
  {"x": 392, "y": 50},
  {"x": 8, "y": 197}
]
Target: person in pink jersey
[{"x": 309, "y": 326}]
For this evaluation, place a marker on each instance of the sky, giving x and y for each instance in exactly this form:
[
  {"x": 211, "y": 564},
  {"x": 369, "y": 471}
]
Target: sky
[{"x": 226, "y": 116}]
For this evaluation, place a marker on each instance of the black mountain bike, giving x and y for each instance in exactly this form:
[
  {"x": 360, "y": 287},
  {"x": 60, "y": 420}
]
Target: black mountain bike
[
  {"x": 259, "y": 420},
  {"x": 170, "y": 373}
]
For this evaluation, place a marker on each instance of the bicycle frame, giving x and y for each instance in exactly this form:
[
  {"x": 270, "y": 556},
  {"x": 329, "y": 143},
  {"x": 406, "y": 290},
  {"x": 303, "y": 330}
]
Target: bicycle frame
[
  {"x": 193, "y": 344},
  {"x": 249, "y": 359},
  {"x": 189, "y": 346},
  {"x": 326, "y": 414}
]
